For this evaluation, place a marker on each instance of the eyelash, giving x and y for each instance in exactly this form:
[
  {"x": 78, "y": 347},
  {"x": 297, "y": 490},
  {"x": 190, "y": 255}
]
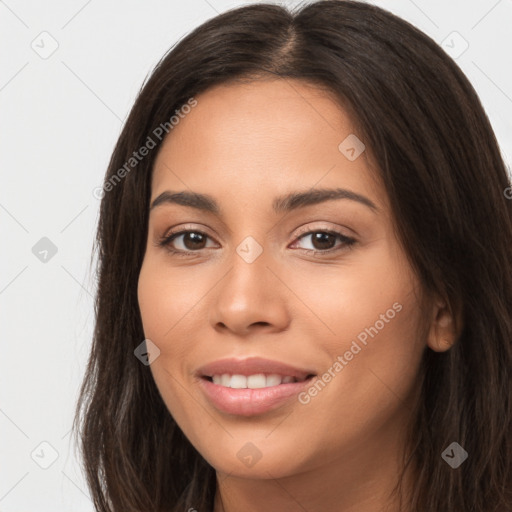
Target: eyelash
[{"x": 347, "y": 242}]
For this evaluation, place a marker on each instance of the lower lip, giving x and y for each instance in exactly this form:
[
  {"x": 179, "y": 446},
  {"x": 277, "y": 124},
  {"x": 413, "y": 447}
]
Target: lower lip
[{"x": 250, "y": 402}]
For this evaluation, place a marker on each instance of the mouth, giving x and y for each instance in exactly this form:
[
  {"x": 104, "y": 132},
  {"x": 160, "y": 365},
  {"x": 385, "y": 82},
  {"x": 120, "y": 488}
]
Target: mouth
[{"x": 253, "y": 386}]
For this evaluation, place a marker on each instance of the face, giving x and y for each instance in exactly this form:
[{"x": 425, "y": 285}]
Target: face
[{"x": 247, "y": 284}]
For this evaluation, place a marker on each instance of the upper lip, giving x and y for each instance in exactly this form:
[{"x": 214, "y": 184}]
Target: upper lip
[{"x": 252, "y": 366}]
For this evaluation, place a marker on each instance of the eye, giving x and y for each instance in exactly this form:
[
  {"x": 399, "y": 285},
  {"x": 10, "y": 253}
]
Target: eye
[
  {"x": 321, "y": 241},
  {"x": 190, "y": 240}
]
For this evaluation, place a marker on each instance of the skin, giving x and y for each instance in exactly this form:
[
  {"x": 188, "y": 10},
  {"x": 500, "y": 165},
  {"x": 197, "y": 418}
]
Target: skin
[{"x": 245, "y": 144}]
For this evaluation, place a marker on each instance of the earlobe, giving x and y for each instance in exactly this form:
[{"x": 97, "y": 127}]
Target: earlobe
[{"x": 443, "y": 333}]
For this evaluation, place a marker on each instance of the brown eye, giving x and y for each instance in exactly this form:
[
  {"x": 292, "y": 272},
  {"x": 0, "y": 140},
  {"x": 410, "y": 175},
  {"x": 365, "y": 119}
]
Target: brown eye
[
  {"x": 193, "y": 240},
  {"x": 324, "y": 241},
  {"x": 185, "y": 241}
]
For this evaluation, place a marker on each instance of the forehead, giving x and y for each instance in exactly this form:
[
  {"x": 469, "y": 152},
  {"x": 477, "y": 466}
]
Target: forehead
[{"x": 267, "y": 135}]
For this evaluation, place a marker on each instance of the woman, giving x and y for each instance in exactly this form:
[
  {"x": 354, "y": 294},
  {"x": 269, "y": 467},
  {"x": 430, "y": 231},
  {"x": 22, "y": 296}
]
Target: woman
[{"x": 305, "y": 277}]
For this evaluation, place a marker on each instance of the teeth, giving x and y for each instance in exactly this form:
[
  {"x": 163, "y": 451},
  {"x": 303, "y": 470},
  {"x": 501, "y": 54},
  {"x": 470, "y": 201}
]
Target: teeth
[
  {"x": 274, "y": 380},
  {"x": 256, "y": 381},
  {"x": 238, "y": 381}
]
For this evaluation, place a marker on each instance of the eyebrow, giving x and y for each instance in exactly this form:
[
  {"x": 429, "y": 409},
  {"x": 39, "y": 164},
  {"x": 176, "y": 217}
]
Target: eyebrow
[{"x": 281, "y": 204}]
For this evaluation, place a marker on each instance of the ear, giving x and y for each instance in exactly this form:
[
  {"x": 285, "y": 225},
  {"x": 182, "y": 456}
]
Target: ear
[{"x": 443, "y": 333}]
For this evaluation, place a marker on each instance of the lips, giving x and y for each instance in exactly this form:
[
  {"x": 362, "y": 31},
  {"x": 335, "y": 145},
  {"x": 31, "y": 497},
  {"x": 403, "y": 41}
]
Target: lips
[{"x": 231, "y": 386}]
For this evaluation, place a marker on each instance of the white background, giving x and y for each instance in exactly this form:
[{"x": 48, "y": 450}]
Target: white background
[{"x": 60, "y": 118}]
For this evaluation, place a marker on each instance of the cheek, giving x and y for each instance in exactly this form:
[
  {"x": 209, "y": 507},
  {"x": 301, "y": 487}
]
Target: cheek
[
  {"x": 166, "y": 296},
  {"x": 373, "y": 315},
  {"x": 367, "y": 394},
  {"x": 375, "y": 362},
  {"x": 169, "y": 303},
  {"x": 164, "y": 301},
  {"x": 347, "y": 299},
  {"x": 163, "y": 306}
]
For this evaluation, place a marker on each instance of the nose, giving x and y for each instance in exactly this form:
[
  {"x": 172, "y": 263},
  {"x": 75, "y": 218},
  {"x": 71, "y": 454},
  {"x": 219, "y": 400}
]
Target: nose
[{"x": 251, "y": 298}]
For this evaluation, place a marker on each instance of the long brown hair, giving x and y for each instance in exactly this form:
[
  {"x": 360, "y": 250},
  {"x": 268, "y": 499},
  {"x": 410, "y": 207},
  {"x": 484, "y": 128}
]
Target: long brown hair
[{"x": 442, "y": 170}]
